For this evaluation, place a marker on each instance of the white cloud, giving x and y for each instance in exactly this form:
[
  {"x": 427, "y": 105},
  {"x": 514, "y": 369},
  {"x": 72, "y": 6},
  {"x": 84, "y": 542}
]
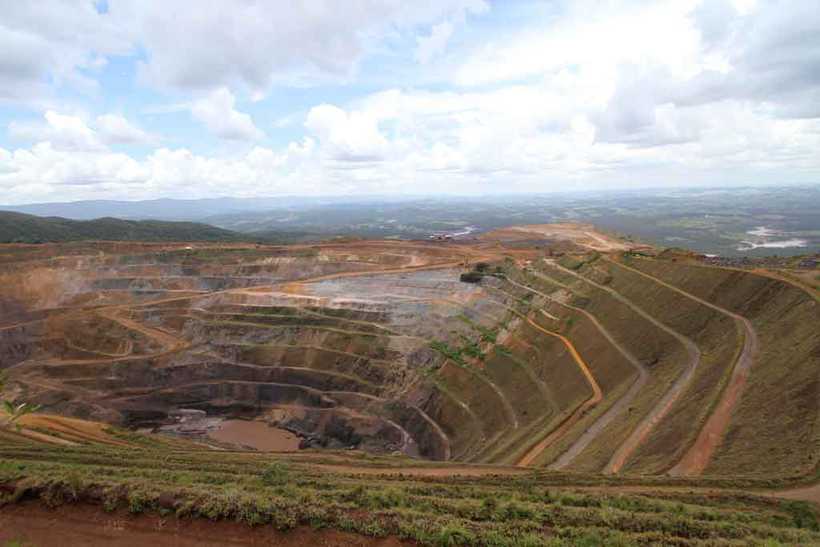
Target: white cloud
[
  {"x": 353, "y": 137},
  {"x": 674, "y": 91},
  {"x": 395, "y": 141},
  {"x": 250, "y": 45},
  {"x": 218, "y": 113},
  {"x": 115, "y": 129},
  {"x": 60, "y": 130},
  {"x": 73, "y": 132},
  {"x": 594, "y": 37},
  {"x": 51, "y": 41}
]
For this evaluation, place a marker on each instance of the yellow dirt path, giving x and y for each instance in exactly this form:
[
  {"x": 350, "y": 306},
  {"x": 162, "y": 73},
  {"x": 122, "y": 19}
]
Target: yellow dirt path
[
  {"x": 596, "y": 397},
  {"x": 620, "y": 405}
]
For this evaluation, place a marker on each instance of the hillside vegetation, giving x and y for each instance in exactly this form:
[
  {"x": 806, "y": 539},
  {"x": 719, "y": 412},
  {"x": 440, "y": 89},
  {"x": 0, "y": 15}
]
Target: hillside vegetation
[
  {"x": 23, "y": 228},
  {"x": 375, "y": 497}
]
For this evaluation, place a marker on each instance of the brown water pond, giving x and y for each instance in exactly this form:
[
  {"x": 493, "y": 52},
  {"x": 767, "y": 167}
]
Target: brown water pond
[{"x": 257, "y": 435}]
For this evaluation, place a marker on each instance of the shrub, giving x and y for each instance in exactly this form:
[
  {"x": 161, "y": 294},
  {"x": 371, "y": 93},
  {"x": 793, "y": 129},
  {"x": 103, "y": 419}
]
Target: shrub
[
  {"x": 453, "y": 535},
  {"x": 802, "y": 514},
  {"x": 488, "y": 508},
  {"x": 275, "y": 474},
  {"x": 138, "y": 502}
]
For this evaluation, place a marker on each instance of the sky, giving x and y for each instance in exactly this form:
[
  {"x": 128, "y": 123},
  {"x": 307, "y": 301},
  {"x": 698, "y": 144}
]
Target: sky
[{"x": 142, "y": 99}]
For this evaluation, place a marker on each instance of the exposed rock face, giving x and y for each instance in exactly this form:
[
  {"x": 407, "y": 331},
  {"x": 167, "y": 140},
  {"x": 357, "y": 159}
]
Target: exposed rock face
[
  {"x": 584, "y": 361},
  {"x": 340, "y": 343}
]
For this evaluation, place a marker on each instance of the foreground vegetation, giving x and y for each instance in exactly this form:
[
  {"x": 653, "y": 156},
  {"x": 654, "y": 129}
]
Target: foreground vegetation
[{"x": 327, "y": 491}]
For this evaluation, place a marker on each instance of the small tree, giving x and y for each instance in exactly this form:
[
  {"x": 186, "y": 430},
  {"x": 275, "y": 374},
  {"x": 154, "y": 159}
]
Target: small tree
[
  {"x": 275, "y": 474},
  {"x": 14, "y": 411}
]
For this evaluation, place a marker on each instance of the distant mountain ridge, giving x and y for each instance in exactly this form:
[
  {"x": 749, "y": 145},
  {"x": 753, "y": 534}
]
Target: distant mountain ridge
[
  {"x": 25, "y": 228},
  {"x": 155, "y": 209},
  {"x": 180, "y": 209}
]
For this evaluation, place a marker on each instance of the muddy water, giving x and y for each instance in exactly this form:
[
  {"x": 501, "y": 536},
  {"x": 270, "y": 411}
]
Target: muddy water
[{"x": 256, "y": 435}]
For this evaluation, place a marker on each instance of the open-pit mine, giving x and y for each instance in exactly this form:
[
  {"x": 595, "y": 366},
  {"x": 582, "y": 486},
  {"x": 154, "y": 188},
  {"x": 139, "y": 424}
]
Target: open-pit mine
[{"x": 548, "y": 347}]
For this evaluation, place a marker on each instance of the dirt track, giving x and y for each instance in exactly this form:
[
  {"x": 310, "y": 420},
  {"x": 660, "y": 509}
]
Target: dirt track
[
  {"x": 809, "y": 493},
  {"x": 34, "y": 525},
  {"x": 583, "y": 235},
  {"x": 662, "y": 407},
  {"x": 173, "y": 344},
  {"x": 596, "y": 397},
  {"x": 620, "y": 405},
  {"x": 711, "y": 434}
]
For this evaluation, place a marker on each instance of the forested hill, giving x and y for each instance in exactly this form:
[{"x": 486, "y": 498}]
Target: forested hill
[{"x": 23, "y": 228}]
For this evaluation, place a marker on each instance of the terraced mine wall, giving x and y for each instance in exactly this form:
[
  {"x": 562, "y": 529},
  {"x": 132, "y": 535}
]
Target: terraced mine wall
[
  {"x": 775, "y": 427},
  {"x": 663, "y": 356},
  {"x": 716, "y": 338},
  {"x": 589, "y": 363}
]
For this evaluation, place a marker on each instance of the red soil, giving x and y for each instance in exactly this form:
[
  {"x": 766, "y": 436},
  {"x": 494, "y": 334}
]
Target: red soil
[{"x": 33, "y": 524}]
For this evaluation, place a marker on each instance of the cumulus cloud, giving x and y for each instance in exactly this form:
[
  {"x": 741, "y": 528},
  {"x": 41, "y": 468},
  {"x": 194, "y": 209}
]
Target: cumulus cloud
[
  {"x": 351, "y": 136},
  {"x": 648, "y": 68},
  {"x": 432, "y": 142},
  {"x": 60, "y": 130},
  {"x": 241, "y": 45},
  {"x": 53, "y": 41},
  {"x": 596, "y": 94},
  {"x": 253, "y": 44},
  {"x": 218, "y": 113},
  {"x": 44, "y": 172},
  {"x": 115, "y": 129},
  {"x": 71, "y": 132}
]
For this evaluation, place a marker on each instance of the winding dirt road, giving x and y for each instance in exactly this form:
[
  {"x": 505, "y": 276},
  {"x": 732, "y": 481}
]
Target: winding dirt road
[
  {"x": 698, "y": 456},
  {"x": 662, "y": 407},
  {"x": 596, "y": 398},
  {"x": 620, "y": 405}
]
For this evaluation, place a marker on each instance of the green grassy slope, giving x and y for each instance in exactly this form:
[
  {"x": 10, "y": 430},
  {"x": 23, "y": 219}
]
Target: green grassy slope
[
  {"x": 776, "y": 426},
  {"x": 327, "y": 491},
  {"x": 663, "y": 356},
  {"x": 716, "y": 336}
]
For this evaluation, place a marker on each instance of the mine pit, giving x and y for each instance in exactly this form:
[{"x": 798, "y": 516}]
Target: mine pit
[{"x": 559, "y": 355}]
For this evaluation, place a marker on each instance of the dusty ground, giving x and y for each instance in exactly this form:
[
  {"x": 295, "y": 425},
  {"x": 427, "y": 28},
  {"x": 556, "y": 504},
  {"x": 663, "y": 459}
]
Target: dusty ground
[
  {"x": 596, "y": 397},
  {"x": 583, "y": 235},
  {"x": 104, "y": 314},
  {"x": 34, "y": 525}
]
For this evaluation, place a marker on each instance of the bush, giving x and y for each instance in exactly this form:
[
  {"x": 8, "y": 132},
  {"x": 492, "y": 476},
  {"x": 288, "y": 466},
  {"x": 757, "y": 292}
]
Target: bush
[
  {"x": 275, "y": 474},
  {"x": 453, "y": 535}
]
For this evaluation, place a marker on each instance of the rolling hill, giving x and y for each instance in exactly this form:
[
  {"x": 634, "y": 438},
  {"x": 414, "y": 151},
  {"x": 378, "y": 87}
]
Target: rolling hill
[{"x": 24, "y": 228}]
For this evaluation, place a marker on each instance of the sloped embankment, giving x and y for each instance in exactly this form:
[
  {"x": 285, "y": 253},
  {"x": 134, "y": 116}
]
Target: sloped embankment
[{"x": 775, "y": 427}]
